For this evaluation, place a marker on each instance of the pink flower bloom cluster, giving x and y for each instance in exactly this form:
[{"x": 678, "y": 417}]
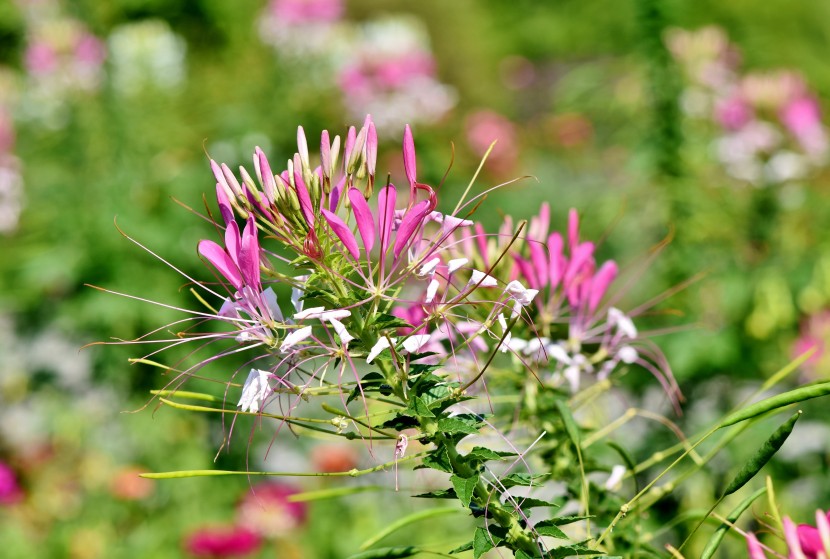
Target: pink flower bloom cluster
[
  {"x": 11, "y": 180},
  {"x": 772, "y": 130},
  {"x": 483, "y": 128},
  {"x": 264, "y": 513},
  {"x": 814, "y": 335},
  {"x": 10, "y": 491},
  {"x": 391, "y": 74},
  {"x": 804, "y": 541},
  {"x": 301, "y": 27}
]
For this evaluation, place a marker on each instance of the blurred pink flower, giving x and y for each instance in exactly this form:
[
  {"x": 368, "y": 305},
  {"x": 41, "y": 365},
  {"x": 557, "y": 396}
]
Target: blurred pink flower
[
  {"x": 266, "y": 511},
  {"x": 802, "y": 117},
  {"x": 733, "y": 113},
  {"x": 804, "y": 541},
  {"x": 10, "y": 492},
  {"x": 814, "y": 333},
  {"x": 221, "y": 541},
  {"x": 306, "y": 11},
  {"x": 41, "y": 58},
  {"x": 90, "y": 50},
  {"x": 483, "y": 128}
]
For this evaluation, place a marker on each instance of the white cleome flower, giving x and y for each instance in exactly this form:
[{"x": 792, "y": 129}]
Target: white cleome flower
[{"x": 255, "y": 391}]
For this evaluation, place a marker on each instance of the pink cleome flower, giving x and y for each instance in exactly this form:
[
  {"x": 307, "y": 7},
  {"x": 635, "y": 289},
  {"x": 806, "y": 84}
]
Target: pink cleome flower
[
  {"x": 221, "y": 541},
  {"x": 266, "y": 511}
]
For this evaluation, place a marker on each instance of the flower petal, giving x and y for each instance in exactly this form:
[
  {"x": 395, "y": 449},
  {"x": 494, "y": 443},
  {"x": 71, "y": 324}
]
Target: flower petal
[
  {"x": 255, "y": 391},
  {"x": 217, "y": 256},
  {"x": 249, "y": 255},
  {"x": 363, "y": 216},
  {"x": 456, "y": 263},
  {"x": 599, "y": 284},
  {"x": 481, "y": 279},
  {"x": 294, "y": 338},
  {"x": 224, "y": 201},
  {"x": 380, "y": 345},
  {"x": 413, "y": 219},
  {"x": 409, "y": 155},
  {"x": 343, "y": 233},
  {"x": 414, "y": 343},
  {"x": 341, "y": 331},
  {"x": 386, "y": 215}
]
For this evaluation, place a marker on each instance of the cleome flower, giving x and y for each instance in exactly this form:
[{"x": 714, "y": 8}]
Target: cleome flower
[{"x": 804, "y": 541}]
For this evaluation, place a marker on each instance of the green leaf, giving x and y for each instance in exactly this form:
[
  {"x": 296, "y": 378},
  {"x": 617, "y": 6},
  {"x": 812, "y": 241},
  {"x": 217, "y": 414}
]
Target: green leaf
[
  {"x": 387, "y": 553},
  {"x": 484, "y": 454},
  {"x": 455, "y": 425},
  {"x": 400, "y": 422},
  {"x": 787, "y": 398},
  {"x": 438, "y": 459},
  {"x": 522, "y": 554},
  {"x": 482, "y": 543},
  {"x": 764, "y": 454},
  {"x": 384, "y": 321},
  {"x": 548, "y": 528},
  {"x": 530, "y": 502},
  {"x": 466, "y": 547},
  {"x": 464, "y": 488},
  {"x": 440, "y": 494},
  {"x": 570, "y": 424},
  {"x": 420, "y": 408},
  {"x": 523, "y": 480},
  {"x": 563, "y": 520},
  {"x": 717, "y": 537}
]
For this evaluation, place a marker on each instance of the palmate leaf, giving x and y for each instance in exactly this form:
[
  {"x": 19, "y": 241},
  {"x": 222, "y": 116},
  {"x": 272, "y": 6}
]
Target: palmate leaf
[{"x": 464, "y": 488}]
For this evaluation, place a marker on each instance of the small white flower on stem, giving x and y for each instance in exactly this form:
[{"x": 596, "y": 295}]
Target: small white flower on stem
[
  {"x": 296, "y": 293},
  {"x": 413, "y": 343},
  {"x": 294, "y": 338},
  {"x": 627, "y": 354},
  {"x": 341, "y": 331},
  {"x": 482, "y": 280},
  {"x": 400, "y": 451},
  {"x": 520, "y": 293},
  {"x": 455, "y": 264},
  {"x": 614, "y": 480},
  {"x": 505, "y": 345},
  {"x": 429, "y": 268},
  {"x": 380, "y": 345},
  {"x": 623, "y": 323},
  {"x": 313, "y": 312},
  {"x": 432, "y": 289},
  {"x": 255, "y": 390}
]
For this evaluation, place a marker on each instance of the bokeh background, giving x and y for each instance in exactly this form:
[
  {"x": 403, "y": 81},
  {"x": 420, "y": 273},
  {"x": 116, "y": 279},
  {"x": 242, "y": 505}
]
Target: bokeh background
[{"x": 688, "y": 134}]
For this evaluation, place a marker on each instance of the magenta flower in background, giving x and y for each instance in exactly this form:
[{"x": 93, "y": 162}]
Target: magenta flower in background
[
  {"x": 266, "y": 511},
  {"x": 733, "y": 113},
  {"x": 483, "y": 128},
  {"x": 814, "y": 333},
  {"x": 802, "y": 117},
  {"x": 221, "y": 541},
  {"x": 10, "y": 491},
  {"x": 804, "y": 541},
  {"x": 306, "y": 11}
]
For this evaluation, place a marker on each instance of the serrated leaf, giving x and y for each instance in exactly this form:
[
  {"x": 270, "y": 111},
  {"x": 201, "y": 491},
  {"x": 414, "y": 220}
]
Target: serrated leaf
[
  {"x": 440, "y": 494},
  {"x": 383, "y": 321},
  {"x": 530, "y": 502},
  {"x": 523, "y": 480},
  {"x": 484, "y": 454},
  {"x": 562, "y": 520},
  {"x": 548, "y": 528},
  {"x": 400, "y": 422},
  {"x": 420, "y": 408},
  {"x": 482, "y": 543},
  {"x": 454, "y": 425},
  {"x": 464, "y": 488},
  {"x": 522, "y": 554},
  {"x": 466, "y": 547},
  {"x": 438, "y": 460}
]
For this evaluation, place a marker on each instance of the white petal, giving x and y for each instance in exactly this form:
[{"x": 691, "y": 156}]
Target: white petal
[
  {"x": 336, "y": 314},
  {"x": 342, "y": 333},
  {"x": 502, "y": 322},
  {"x": 413, "y": 343},
  {"x": 455, "y": 264},
  {"x": 295, "y": 337},
  {"x": 516, "y": 344},
  {"x": 255, "y": 390},
  {"x": 382, "y": 343},
  {"x": 229, "y": 309},
  {"x": 482, "y": 280},
  {"x": 270, "y": 299},
  {"x": 627, "y": 354},
  {"x": 623, "y": 323},
  {"x": 520, "y": 293},
  {"x": 557, "y": 352},
  {"x": 617, "y": 473},
  {"x": 432, "y": 289},
  {"x": 296, "y": 293},
  {"x": 428, "y": 268},
  {"x": 313, "y": 312},
  {"x": 572, "y": 375}
]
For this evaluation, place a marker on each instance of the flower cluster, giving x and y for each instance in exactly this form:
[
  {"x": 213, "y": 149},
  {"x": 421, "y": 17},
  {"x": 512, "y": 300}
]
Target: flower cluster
[
  {"x": 146, "y": 55},
  {"x": 804, "y": 541},
  {"x": 300, "y": 27},
  {"x": 771, "y": 126}
]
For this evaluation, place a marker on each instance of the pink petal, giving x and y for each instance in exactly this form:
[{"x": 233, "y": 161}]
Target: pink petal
[
  {"x": 269, "y": 185},
  {"x": 232, "y": 240},
  {"x": 791, "y": 536},
  {"x": 573, "y": 230},
  {"x": 351, "y": 136},
  {"x": 599, "y": 285},
  {"x": 754, "y": 546},
  {"x": 224, "y": 202},
  {"x": 325, "y": 153},
  {"x": 304, "y": 198},
  {"x": 481, "y": 240},
  {"x": 409, "y": 155},
  {"x": 364, "y": 218},
  {"x": 371, "y": 146},
  {"x": 579, "y": 259},
  {"x": 386, "y": 215},
  {"x": 343, "y": 233},
  {"x": 413, "y": 219},
  {"x": 527, "y": 271},
  {"x": 249, "y": 254},
  {"x": 217, "y": 256},
  {"x": 539, "y": 258},
  {"x": 556, "y": 264},
  {"x": 336, "y": 193}
]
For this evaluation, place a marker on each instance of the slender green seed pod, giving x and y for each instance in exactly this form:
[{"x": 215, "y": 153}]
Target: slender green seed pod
[
  {"x": 792, "y": 397},
  {"x": 767, "y": 451}
]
